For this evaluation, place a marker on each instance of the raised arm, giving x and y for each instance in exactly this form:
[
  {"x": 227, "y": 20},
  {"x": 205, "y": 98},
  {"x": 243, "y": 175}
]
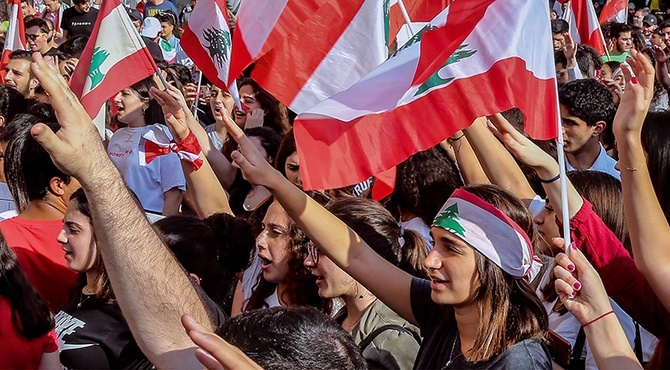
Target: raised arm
[
  {"x": 332, "y": 236},
  {"x": 471, "y": 170},
  {"x": 648, "y": 229},
  {"x": 145, "y": 276},
  {"x": 497, "y": 162},
  {"x": 662, "y": 73},
  {"x": 206, "y": 190}
]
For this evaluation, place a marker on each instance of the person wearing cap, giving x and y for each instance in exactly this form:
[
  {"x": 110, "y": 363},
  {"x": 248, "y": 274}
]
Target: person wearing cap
[
  {"x": 136, "y": 17},
  {"x": 478, "y": 310},
  {"x": 650, "y": 24},
  {"x": 151, "y": 28}
]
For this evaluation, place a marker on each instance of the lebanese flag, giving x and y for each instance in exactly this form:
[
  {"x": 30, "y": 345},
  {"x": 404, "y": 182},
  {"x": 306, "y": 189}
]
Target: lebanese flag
[
  {"x": 16, "y": 34},
  {"x": 418, "y": 11},
  {"x": 614, "y": 10},
  {"x": 584, "y": 24},
  {"x": 262, "y": 24},
  {"x": 114, "y": 58},
  {"x": 436, "y": 84},
  {"x": 333, "y": 49},
  {"x": 207, "y": 40}
]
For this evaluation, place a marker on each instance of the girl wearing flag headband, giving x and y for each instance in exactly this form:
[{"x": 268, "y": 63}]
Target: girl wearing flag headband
[{"x": 478, "y": 310}]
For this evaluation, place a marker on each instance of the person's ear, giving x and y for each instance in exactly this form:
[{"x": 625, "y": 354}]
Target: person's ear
[
  {"x": 599, "y": 128},
  {"x": 195, "y": 278},
  {"x": 2, "y": 121},
  {"x": 34, "y": 82},
  {"x": 57, "y": 186}
]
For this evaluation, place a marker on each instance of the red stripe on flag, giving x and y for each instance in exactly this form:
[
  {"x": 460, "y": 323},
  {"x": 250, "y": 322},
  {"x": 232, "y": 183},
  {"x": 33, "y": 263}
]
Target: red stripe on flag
[
  {"x": 285, "y": 69},
  {"x": 418, "y": 11},
  {"x": 293, "y": 15},
  {"x": 109, "y": 87},
  {"x": 465, "y": 13},
  {"x": 377, "y": 142},
  {"x": 191, "y": 45}
]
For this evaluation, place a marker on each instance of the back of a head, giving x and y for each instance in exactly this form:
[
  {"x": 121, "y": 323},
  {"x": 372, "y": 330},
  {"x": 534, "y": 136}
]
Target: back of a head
[
  {"x": 74, "y": 46},
  {"x": 425, "y": 181},
  {"x": 559, "y": 26},
  {"x": 11, "y": 103},
  {"x": 588, "y": 100},
  {"x": 379, "y": 229},
  {"x": 604, "y": 192},
  {"x": 281, "y": 338},
  {"x": 28, "y": 167}
]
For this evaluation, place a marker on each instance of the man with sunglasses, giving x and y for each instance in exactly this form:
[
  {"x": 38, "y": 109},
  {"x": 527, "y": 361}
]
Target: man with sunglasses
[{"x": 39, "y": 36}]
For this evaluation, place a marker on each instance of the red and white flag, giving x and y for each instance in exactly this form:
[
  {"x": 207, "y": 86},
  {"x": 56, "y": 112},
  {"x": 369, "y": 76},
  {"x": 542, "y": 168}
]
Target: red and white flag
[
  {"x": 333, "y": 49},
  {"x": 614, "y": 10},
  {"x": 417, "y": 10},
  {"x": 439, "y": 82},
  {"x": 114, "y": 58},
  {"x": 262, "y": 24},
  {"x": 584, "y": 24},
  {"x": 207, "y": 40},
  {"x": 16, "y": 34}
]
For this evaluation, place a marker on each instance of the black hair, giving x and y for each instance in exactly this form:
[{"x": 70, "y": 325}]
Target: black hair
[
  {"x": 79, "y": 2},
  {"x": 276, "y": 114},
  {"x": 559, "y": 26},
  {"x": 12, "y": 102},
  {"x": 588, "y": 100},
  {"x": 21, "y": 54},
  {"x": 74, "y": 46},
  {"x": 281, "y": 338},
  {"x": 377, "y": 227},
  {"x": 182, "y": 73},
  {"x": 269, "y": 138},
  {"x": 43, "y": 111},
  {"x": 28, "y": 167},
  {"x": 286, "y": 149},
  {"x": 617, "y": 29},
  {"x": 656, "y": 143},
  {"x": 39, "y": 22},
  {"x": 214, "y": 249},
  {"x": 424, "y": 182},
  {"x": 154, "y": 113},
  {"x": 30, "y": 314},
  {"x": 588, "y": 60},
  {"x": 664, "y": 24}
]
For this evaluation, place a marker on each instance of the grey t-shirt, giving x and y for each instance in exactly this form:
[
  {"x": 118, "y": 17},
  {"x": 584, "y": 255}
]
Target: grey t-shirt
[{"x": 441, "y": 347}]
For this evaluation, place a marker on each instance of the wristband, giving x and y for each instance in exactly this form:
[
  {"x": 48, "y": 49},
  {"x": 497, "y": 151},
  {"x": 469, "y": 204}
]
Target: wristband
[
  {"x": 189, "y": 150},
  {"x": 598, "y": 318},
  {"x": 550, "y": 180}
]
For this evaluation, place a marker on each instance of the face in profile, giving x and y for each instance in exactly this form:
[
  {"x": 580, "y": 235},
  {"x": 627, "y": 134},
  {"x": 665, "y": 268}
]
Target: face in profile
[{"x": 77, "y": 240}]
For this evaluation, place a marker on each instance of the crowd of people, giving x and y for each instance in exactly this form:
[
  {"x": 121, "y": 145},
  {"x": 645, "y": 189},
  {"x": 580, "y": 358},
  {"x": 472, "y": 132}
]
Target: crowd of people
[{"x": 116, "y": 255}]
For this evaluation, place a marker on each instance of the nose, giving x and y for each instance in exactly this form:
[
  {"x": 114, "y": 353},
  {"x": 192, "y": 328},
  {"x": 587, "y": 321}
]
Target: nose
[
  {"x": 61, "y": 238},
  {"x": 261, "y": 240},
  {"x": 539, "y": 219},
  {"x": 432, "y": 261},
  {"x": 117, "y": 97},
  {"x": 309, "y": 262}
]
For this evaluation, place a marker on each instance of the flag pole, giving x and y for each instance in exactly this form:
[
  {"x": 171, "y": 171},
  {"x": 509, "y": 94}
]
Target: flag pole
[
  {"x": 405, "y": 15},
  {"x": 197, "y": 95},
  {"x": 165, "y": 84}
]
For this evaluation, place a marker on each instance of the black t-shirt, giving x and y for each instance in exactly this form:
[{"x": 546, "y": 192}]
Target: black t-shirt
[
  {"x": 94, "y": 335},
  {"x": 441, "y": 346},
  {"x": 76, "y": 23}
]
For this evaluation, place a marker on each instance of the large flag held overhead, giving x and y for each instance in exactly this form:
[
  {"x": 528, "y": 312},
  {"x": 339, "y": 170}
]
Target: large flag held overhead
[
  {"x": 114, "y": 58},
  {"x": 16, "y": 35},
  {"x": 207, "y": 40},
  {"x": 584, "y": 24},
  {"x": 614, "y": 10},
  {"x": 417, "y": 10},
  {"x": 333, "y": 49},
  {"x": 262, "y": 24},
  {"x": 439, "y": 82}
]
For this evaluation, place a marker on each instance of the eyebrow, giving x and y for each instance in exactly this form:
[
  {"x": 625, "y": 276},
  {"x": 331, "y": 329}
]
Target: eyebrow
[{"x": 278, "y": 226}]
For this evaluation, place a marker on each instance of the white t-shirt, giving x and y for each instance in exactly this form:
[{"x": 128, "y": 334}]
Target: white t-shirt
[
  {"x": 214, "y": 137},
  {"x": 149, "y": 182}
]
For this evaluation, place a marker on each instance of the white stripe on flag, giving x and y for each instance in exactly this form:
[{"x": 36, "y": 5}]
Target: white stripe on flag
[{"x": 258, "y": 19}]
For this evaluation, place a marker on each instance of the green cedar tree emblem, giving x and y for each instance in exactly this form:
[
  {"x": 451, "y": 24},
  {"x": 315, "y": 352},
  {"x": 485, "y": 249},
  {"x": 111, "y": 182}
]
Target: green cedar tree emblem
[
  {"x": 416, "y": 38},
  {"x": 435, "y": 80},
  {"x": 387, "y": 21},
  {"x": 449, "y": 221},
  {"x": 219, "y": 42},
  {"x": 94, "y": 73}
]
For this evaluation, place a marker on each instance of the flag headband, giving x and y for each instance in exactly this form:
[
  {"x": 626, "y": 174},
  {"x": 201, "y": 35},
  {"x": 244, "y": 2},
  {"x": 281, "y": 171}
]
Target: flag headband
[{"x": 488, "y": 230}]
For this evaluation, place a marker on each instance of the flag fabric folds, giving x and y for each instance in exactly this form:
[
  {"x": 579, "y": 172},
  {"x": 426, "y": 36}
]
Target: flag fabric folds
[
  {"x": 208, "y": 42},
  {"x": 114, "y": 58},
  {"x": 439, "y": 82},
  {"x": 333, "y": 49},
  {"x": 16, "y": 34},
  {"x": 614, "y": 10},
  {"x": 584, "y": 24}
]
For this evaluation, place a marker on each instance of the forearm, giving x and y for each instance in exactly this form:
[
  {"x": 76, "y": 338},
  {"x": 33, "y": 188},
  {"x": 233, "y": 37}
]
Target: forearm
[
  {"x": 152, "y": 289},
  {"x": 223, "y": 169},
  {"x": 549, "y": 170},
  {"x": 498, "y": 163},
  {"x": 206, "y": 190},
  {"x": 172, "y": 202},
  {"x": 467, "y": 161},
  {"x": 662, "y": 74},
  {"x": 648, "y": 228},
  {"x": 609, "y": 344}
]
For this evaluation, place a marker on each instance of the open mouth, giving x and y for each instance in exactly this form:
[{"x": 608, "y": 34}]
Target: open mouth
[{"x": 265, "y": 262}]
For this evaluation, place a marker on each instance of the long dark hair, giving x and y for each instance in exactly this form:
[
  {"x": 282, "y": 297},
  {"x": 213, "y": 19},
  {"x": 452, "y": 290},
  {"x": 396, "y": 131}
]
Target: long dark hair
[
  {"x": 509, "y": 309},
  {"x": 276, "y": 114},
  {"x": 154, "y": 113},
  {"x": 302, "y": 289},
  {"x": 656, "y": 143},
  {"x": 30, "y": 315}
]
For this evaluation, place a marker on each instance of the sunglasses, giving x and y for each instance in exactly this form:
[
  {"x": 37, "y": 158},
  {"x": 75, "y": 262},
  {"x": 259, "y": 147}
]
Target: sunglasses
[{"x": 33, "y": 37}]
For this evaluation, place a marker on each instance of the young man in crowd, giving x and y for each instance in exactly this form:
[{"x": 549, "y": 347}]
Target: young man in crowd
[
  {"x": 18, "y": 74},
  {"x": 79, "y": 20},
  {"x": 39, "y": 36},
  {"x": 620, "y": 42},
  {"x": 559, "y": 28},
  {"x": 587, "y": 109}
]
